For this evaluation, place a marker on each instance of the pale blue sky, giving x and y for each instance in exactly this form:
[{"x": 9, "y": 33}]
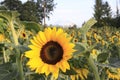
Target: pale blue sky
[{"x": 75, "y": 11}]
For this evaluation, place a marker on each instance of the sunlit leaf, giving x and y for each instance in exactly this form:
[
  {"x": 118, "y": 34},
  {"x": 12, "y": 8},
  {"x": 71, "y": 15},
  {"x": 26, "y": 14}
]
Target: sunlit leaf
[{"x": 88, "y": 25}]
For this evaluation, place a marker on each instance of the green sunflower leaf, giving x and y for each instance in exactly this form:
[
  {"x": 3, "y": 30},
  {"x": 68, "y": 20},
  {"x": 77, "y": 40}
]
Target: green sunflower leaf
[
  {"x": 80, "y": 48},
  {"x": 7, "y": 71},
  {"x": 31, "y": 26},
  {"x": 5, "y": 66},
  {"x": 102, "y": 57},
  {"x": 23, "y": 48},
  {"x": 8, "y": 76},
  {"x": 88, "y": 25}
]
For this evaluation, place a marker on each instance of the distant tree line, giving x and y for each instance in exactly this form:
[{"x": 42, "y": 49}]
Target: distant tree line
[
  {"x": 31, "y": 10},
  {"x": 103, "y": 14}
]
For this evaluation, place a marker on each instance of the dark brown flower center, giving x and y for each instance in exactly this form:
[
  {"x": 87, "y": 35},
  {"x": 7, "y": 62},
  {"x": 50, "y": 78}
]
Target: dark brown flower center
[
  {"x": 51, "y": 53},
  {"x": 24, "y": 35}
]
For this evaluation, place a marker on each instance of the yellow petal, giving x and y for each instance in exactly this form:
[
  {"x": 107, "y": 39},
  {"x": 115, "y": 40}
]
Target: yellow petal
[
  {"x": 39, "y": 40},
  {"x": 63, "y": 65},
  {"x": 34, "y": 63},
  {"x": 33, "y": 47},
  {"x": 42, "y": 37},
  {"x": 39, "y": 68},
  {"x": 56, "y": 73},
  {"x": 85, "y": 72},
  {"x": 68, "y": 46},
  {"x": 53, "y": 35},
  {"x": 72, "y": 77},
  {"x": 35, "y": 43},
  {"x": 59, "y": 32},
  {"x": 67, "y": 57},
  {"x": 61, "y": 39},
  {"x": 47, "y": 72},
  {"x": 45, "y": 69},
  {"x": 32, "y": 54},
  {"x": 81, "y": 76},
  {"x": 48, "y": 33}
]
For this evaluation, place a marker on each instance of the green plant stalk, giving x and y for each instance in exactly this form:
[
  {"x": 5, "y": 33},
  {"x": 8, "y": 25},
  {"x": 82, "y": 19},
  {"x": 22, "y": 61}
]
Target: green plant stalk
[
  {"x": 14, "y": 34},
  {"x": 94, "y": 68},
  {"x": 4, "y": 55},
  {"x": 18, "y": 56},
  {"x": 103, "y": 77},
  {"x": 20, "y": 68},
  {"x": 91, "y": 62}
]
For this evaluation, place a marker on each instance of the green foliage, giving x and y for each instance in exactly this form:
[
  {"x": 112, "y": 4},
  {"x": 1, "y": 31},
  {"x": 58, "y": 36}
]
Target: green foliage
[
  {"x": 12, "y": 52},
  {"x": 80, "y": 48},
  {"x": 88, "y": 25},
  {"x": 8, "y": 15},
  {"x": 32, "y": 26},
  {"x": 7, "y": 72},
  {"x": 102, "y": 57},
  {"x": 98, "y": 11},
  {"x": 30, "y": 10},
  {"x": 102, "y": 13},
  {"x": 12, "y": 4}
]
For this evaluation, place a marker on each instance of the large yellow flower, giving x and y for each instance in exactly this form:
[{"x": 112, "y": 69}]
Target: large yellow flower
[{"x": 50, "y": 51}]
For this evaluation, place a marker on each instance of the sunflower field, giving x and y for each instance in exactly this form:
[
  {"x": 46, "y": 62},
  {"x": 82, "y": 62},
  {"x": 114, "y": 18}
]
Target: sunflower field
[{"x": 28, "y": 51}]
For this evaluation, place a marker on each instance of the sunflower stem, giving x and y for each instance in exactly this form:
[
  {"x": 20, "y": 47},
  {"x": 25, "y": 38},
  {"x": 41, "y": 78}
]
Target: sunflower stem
[
  {"x": 20, "y": 68},
  {"x": 15, "y": 38},
  {"x": 94, "y": 68},
  {"x": 91, "y": 62},
  {"x": 18, "y": 56},
  {"x": 4, "y": 55}
]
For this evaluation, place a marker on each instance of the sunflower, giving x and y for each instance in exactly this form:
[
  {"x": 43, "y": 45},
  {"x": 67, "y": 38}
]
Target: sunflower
[
  {"x": 75, "y": 40},
  {"x": 89, "y": 42},
  {"x": 2, "y": 38},
  {"x": 50, "y": 51},
  {"x": 72, "y": 34},
  {"x": 113, "y": 74},
  {"x": 94, "y": 53},
  {"x": 112, "y": 39},
  {"x": 23, "y": 35},
  {"x": 103, "y": 42},
  {"x": 81, "y": 73}
]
